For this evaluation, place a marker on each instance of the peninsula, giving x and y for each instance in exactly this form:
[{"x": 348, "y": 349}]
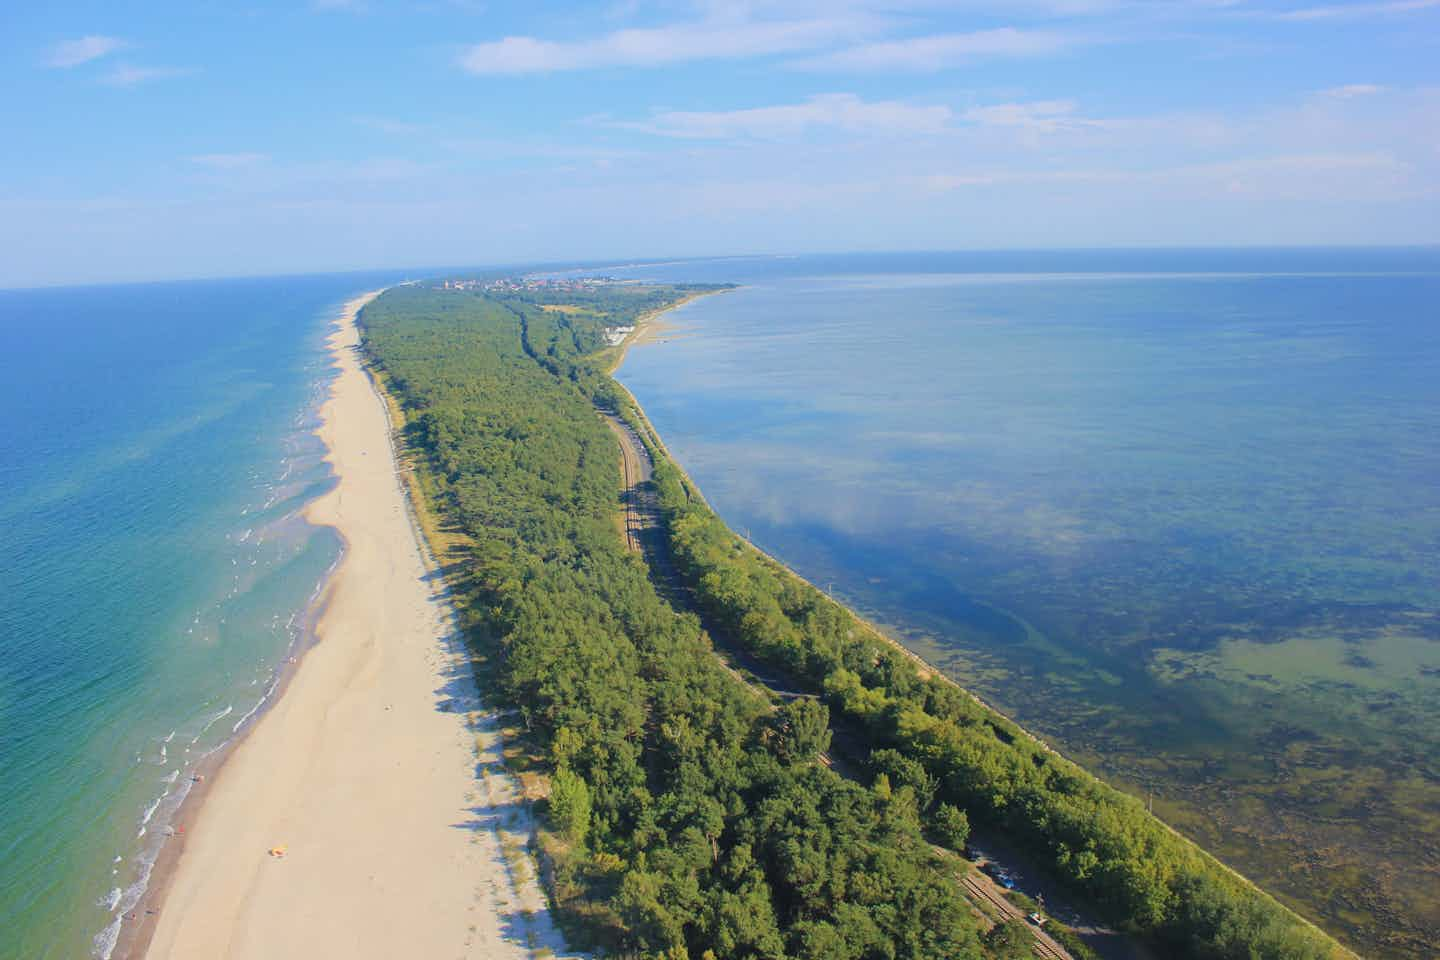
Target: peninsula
[{"x": 697, "y": 806}]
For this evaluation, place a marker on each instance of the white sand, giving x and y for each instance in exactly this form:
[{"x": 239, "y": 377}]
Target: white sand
[{"x": 404, "y": 837}]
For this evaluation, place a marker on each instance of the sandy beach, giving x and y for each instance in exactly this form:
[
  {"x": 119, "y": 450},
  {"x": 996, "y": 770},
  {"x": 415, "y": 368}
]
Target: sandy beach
[
  {"x": 377, "y": 771},
  {"x": 653, "y": 326}
]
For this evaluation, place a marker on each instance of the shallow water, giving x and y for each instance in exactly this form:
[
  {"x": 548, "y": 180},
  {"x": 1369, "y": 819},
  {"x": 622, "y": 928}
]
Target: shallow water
[
  {"x": 1176, "y": 511},
  {"x": 155, "y": 447}
]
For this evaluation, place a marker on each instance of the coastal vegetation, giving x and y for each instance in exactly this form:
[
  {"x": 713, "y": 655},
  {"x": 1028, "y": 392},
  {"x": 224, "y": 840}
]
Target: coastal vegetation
[
  {"x": 692, "y": 817},
  {"x": 694, "y": 820},
  {"x": 1143, "y": 875}
]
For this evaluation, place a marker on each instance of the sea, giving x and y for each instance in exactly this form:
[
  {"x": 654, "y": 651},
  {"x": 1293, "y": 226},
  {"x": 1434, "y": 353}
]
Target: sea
[
  {"x": 1176, "y": 511},
  {"x": 156, "y": 447}
]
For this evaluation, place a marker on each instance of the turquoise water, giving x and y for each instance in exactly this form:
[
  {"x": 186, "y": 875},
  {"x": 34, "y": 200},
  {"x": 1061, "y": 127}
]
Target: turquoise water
[
  {"x": 1178, "y": 511},
  {"x": 155, "y": 446}
]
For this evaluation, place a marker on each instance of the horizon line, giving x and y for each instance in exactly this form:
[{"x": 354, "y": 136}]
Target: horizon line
[{"x": 584, "y": 263}]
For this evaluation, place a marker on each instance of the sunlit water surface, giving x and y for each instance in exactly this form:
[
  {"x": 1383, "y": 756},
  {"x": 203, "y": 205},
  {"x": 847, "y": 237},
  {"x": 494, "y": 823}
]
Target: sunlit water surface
[
  {"x": 1176, "y": 511},
  {"x": 155, "y": 447}
]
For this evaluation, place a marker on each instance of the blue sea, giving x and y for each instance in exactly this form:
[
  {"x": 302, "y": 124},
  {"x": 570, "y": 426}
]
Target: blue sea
[
  {"x": 1178, "y": 511},
  {"x": 155, "y": 447}
]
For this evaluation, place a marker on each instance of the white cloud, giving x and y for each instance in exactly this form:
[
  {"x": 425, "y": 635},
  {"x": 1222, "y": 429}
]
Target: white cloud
[
  {"x": 129, "y": 75},
  {"x": 941, "y": 51},
  {"x": 917, "y": 8},
  {"x": 837, "y": 111},
  {"x": 1044, "y": 115},
  {"x": 656, "y": 46},
  {"x": 1271, "y": 175},
  {"x": 1352, "y": 90},
  {"x": 72, "y": 53},
  {"x": 622, "y": 9},
  {"x": 1357, "y": 11}
]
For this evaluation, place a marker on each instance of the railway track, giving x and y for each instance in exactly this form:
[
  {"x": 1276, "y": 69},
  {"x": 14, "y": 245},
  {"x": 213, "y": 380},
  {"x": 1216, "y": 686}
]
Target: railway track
[
  {"x": 981, "y": 889},
  {"x": 641, "y": 509},
  {"x": 644, "y": 535}
]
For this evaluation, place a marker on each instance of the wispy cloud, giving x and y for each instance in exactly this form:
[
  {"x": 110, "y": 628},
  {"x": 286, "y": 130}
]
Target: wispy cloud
[
  {"x": 1356, "y": 11},
  {"x": 228, "y": 161},
  {"x": 941, "y": 51},
  {"x": 1272, "y": 174},
  {"x": 728, "y": 38},
  {"x": 391, "y": 126},
  {"x": 1350, "y": 91},
  {"x": 1042, "y": 115},
  {"x": 130, "y": 75},
  {"x": 72, "y": 53},
  {"x": 844, "y": 112},
  {"x": 461, "y": 142}
]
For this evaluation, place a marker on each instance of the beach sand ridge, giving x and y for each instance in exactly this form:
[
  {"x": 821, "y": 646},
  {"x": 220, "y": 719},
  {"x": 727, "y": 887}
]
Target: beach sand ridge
[{"x": 377, "y": 771}]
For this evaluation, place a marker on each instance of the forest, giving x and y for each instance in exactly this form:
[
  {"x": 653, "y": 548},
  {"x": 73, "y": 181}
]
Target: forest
[
  {"x": 693, "y": 818},
  {"x": 697, "y": 821}
]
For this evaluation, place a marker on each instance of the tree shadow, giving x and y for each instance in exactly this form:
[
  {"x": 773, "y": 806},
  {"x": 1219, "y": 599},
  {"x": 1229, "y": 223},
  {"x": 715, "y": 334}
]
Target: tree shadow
[
  {"x": 535, "y": 932},
  {"x": 502, "y": 820},
  {"x": 445, "y": 573}
]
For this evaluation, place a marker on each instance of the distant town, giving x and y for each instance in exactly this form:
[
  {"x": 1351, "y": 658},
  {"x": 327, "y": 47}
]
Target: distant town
[
  {"x": 517, "y": 284},
  {"x": 613, "y": 335}
]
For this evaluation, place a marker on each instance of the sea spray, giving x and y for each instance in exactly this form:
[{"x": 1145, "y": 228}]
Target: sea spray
[{"x": 229, "y": 709}]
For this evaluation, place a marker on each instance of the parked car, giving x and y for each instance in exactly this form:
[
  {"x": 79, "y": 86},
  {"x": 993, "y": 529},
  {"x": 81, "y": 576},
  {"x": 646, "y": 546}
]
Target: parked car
[
  {"x": 1036, "y": 919},
  {"x": 998, "y": 873}
]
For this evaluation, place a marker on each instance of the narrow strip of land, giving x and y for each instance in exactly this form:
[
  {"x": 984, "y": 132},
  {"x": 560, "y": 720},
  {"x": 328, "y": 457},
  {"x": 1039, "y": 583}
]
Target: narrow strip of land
[
  {"x": 641, "y": 510},
  {"x": 644, "y": 533},
  {"x": 368, "y": 815}
]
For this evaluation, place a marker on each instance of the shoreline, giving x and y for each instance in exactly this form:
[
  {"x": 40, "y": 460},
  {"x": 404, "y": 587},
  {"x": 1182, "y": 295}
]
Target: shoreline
[
  {"x": 132, "y": 940},
  {"x": 373, "y": 770},
  {"x": 648, "y": 326},
  {"x": 651, "y": 435}
]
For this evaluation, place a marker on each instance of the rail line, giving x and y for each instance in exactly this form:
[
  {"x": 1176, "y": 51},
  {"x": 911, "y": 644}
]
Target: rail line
[
  {"x": 644, "y": 535},
  {"x": 982, "y": 889}
]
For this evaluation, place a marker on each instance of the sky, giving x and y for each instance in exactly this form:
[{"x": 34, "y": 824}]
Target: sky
[{"x": 167, "y": 139}]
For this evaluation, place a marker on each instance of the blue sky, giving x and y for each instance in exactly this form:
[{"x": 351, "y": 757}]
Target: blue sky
[{"x": 169, "y": 139}]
